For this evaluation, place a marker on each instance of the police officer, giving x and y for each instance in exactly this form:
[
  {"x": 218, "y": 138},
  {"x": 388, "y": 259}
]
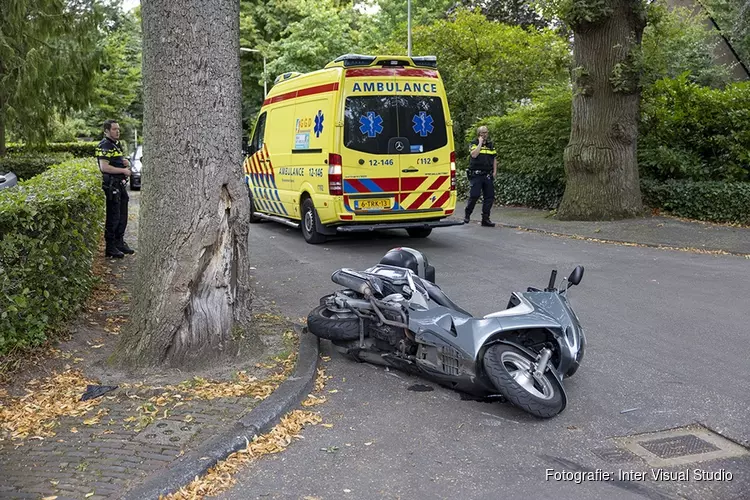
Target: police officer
[
  {"x": 115, "y": 170},
  {"x": 482, "y": 171}
]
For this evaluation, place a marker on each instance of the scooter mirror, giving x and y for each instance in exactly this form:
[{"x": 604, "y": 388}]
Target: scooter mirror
[{"x": 576, "y": 276}]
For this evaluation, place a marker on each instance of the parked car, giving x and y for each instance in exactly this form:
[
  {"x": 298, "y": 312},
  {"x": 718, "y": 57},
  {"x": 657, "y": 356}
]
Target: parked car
[
  {"x": 135, "y": 167},
  {"x": 7, "y": 180}
]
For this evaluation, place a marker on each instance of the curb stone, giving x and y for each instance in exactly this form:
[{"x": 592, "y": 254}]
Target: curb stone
[
  {"x": 258, "y": 421},
  {"x": 606, "y": 239}
]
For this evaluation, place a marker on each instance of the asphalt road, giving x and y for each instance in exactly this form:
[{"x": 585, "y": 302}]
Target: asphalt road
[{"x": 667, "y": 339}]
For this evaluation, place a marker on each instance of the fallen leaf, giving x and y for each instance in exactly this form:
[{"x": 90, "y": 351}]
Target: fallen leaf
[
  {"x": 53, "y": 497},
  {"x": 327, "y": 426},
  {"x": 73, "y": 430},
  {"x": 89, "y": 495},
  {"x": 368, "y": 444}
]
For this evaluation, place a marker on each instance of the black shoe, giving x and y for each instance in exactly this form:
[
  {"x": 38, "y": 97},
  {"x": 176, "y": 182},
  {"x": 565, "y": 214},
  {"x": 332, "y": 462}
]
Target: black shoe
[
  {"x": 114, "y": 253},
  {"x": 124, "y": 248},
  {"x": 467, "y": 220},
  {"x": 488, "y": 223}
]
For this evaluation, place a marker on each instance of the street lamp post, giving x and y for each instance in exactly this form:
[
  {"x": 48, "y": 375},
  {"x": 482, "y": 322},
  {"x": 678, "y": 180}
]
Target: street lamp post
[
  {"x": 408, "y": 22},
  {"x": 265, "y": 88}
]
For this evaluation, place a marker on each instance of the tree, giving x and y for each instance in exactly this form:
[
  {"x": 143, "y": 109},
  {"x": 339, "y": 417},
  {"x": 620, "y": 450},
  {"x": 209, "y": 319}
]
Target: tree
[
  {"x": 732, "y": 17},
  {"x": 516, "y": 12},
  {"x": 192, "y": 295},
  {"x": 600, "y": 159},
  {"x": 676, "y": 41},
  {"x": 390, "y": 23},
  {"x": 323, "y": 33},
  {"x": 117, "y": 83},
  {"x": 487, "y": 65},
  {"x": 48, "y": 58}
]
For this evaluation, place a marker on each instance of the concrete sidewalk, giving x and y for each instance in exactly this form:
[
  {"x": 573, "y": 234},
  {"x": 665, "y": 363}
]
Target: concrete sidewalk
[{"x": 657, "y": 231}]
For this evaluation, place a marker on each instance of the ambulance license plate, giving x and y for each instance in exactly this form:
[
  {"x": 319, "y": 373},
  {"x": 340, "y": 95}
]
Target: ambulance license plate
[{"x": 373, "y": 204}]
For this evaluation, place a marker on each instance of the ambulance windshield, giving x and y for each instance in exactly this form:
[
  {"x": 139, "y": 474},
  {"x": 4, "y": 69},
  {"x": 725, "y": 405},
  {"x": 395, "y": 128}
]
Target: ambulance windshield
[{"x": 371, "y": 121}]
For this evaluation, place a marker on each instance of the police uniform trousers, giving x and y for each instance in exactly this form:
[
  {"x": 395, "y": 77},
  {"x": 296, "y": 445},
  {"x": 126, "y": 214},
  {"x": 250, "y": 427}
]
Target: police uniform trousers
[
  {"x": 481, "y": 184},
  {"x": 117, "y": 212}
]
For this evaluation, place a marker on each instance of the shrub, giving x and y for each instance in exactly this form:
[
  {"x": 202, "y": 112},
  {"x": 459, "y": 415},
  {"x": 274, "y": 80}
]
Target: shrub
[
  {"x": 49, "y": 231},
  {"x": 695, "y": 133},
  {"x": 708, "y": 201},
  {"x": 26, "y": 166},
  {"x": 530, "y": 139},
  {"x": 518, "y": 188},
  {"x": 77, "y": 149}
]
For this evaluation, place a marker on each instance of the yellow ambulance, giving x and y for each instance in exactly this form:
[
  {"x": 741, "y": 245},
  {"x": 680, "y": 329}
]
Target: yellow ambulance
[{"x": 365, "y": 143}]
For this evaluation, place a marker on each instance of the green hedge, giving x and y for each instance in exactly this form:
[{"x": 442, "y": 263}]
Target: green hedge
[
  {"x": 26, "y": 166},
  {"x": 531, "y": 139},
  {"x": 77, "y": 149},
  {"x": 50, "y": 227},
  {"x": 695, "y": 133},
  {"x": 516, "y": 188},
  {"x": 708, "y": 201}
]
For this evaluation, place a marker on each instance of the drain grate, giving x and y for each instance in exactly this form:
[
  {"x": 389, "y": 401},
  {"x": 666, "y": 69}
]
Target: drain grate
[
  {"x": 167, "y": 432},
  {"x": 615, "y": 455},
  {"x": 681, "y": 446},
  {"x": 678, "y": 446}
]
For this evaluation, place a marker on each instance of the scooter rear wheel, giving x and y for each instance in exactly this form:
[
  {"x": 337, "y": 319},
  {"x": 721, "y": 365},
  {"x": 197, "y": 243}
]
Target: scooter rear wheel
[
  {"x": 509, "y": 370},
  {"x": 327, "y": 324}
]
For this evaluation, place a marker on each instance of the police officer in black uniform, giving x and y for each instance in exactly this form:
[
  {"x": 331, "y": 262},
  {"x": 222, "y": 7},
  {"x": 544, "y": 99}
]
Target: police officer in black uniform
[
  {"x": 115, "y": 170},
  {"x": 482, "y": 171}
]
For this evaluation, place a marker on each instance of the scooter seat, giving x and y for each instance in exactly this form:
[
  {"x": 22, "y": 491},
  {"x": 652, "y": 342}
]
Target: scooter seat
[{"x": 437, "y": 295}]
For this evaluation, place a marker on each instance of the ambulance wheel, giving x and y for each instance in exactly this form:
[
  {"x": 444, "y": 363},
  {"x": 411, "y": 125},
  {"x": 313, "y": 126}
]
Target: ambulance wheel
[
  {"x": 253, "y": 218},
  {"x": 419, "y": 232},
  {"x": 309, "y": 227}
]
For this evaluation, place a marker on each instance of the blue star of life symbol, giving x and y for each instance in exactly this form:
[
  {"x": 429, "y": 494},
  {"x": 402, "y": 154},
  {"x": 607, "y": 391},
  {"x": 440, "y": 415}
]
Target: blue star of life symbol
[
  {"x": 422, "y": 124},
  {"x": 372, "y": 124},
  {"x": 318, "y": 129}
]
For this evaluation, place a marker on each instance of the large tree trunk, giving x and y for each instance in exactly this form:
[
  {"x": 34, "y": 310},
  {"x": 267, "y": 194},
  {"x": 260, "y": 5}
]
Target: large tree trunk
[
  {"x": 2, "y": 127},
  {"x": 600, "y": 160},
  {"x": 192, "y": 294}
]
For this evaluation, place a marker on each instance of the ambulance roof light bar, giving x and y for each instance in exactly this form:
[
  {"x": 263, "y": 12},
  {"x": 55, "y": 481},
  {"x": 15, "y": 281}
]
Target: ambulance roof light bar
[{"x": 350, "y": 60}]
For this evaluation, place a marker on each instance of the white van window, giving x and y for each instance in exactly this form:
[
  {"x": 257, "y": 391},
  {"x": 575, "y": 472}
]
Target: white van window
[{"x": 370, "y": 121}]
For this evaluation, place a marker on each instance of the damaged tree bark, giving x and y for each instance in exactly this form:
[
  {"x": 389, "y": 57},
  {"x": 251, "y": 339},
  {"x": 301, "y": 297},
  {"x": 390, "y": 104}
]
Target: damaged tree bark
[{"x": 192, "y": 295}]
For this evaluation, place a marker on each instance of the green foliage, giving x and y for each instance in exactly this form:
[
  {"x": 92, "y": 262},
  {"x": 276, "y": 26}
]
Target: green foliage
[
  {"x": 118, "y": 90},
  {"x": 693, "y": 132},
  {"x": 516, "y": 12},
  {"x": 733, "y": 19},
  {"x": 389, "y": 22},
  {"x": 517, "y": 188},
  {"x": 77, "y": 149},
  {"x": 709, "y": 201},
  {"x": 488, "y": 66},
  {"x": 26, "y": 166},
  {"x": 579, "y": 13},
  {"x": 323, "y": 33},
  {"x": 677, "y": 41},
  {"x": 531, "y": 138},
  {"x": 48, "y": 57},
  {"x": 49, "y": 231},
  {"x": 626, "y": 74}
]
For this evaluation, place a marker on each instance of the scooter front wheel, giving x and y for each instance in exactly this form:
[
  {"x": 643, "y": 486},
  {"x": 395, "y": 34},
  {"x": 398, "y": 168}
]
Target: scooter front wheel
[
  {"x": 510, "y": 370},
  {"x": 327, "y": 324}
]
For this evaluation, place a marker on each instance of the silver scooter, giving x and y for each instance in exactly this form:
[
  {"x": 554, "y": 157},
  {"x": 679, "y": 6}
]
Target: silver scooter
[{"x": 394, "y": 314}]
